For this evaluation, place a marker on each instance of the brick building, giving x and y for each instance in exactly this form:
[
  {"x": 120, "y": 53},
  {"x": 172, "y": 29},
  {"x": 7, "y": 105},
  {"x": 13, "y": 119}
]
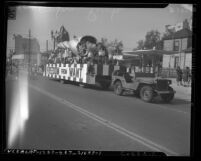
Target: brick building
[{"x": 26, "y": 47}]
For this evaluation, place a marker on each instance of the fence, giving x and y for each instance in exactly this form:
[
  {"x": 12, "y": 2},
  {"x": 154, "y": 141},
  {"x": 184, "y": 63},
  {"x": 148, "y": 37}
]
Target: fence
[{"x": 168, "y": 73}]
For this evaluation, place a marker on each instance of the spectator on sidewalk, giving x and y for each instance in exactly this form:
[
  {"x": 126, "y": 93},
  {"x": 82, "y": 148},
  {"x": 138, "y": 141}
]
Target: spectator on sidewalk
[
  {"x": 179, "y": 76},
  {"x": 190, "y": 77},
  {"x": 186, "y": 76}
]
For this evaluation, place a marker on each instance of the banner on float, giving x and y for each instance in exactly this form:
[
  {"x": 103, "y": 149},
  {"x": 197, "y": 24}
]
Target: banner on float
[{"x": 72, "y": 72}]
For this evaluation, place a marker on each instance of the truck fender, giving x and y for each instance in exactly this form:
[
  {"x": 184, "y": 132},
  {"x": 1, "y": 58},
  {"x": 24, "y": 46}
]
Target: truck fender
[
  {"x": 136, "y": 85},
  {"x": 116, "y": 80}
]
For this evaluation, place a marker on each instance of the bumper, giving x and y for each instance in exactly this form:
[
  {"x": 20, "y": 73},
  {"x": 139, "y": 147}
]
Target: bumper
[{"x": 165, "y": 92}]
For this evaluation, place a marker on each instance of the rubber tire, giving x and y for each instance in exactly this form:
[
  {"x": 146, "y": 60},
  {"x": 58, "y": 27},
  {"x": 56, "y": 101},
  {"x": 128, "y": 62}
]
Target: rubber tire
[
  {"x": 105, "y": 86},
  {"x": 146, "y": 90},
  {"x": 83, "y": 85},
  {"x": 118, "y": 89},
  {"x": 62, "y": 81},
  {"x": 167, "y": 97}
]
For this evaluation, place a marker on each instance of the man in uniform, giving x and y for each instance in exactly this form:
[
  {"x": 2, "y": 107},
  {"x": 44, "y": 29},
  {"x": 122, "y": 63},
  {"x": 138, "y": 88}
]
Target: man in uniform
[{"x": 179, "y": 76}]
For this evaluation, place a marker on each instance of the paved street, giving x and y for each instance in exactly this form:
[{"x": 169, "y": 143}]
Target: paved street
[{"x": 66, "y": 116}]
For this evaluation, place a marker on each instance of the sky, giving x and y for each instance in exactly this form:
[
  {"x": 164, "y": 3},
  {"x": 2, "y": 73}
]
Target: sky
[{"x": 126, "y": 24}]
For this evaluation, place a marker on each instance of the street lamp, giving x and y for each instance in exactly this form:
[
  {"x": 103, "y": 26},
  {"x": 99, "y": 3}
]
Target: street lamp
[
  {"x": 29, "y": 53},
  {"x": 54, "y": 36}
]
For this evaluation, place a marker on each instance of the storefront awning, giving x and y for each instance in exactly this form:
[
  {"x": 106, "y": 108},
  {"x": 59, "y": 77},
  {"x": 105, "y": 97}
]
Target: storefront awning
[
  {"x": 151, "y": 52},
  {"x": 18, "y": 57}
]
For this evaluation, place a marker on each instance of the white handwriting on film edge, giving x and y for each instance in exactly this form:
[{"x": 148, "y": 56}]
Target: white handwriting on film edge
[
  {"x": 92, "y": 14},
  {"x": 63, "y": 10}
]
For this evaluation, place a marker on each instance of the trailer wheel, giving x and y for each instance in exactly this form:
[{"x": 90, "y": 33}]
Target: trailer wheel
[
  {"x": 83, "y": 85},
  {"x": 105, "y": 85},
  {"x": 62, "y": 81},
  {"x": 118, "y": 89},
  {"x": 146, "y": 93}
]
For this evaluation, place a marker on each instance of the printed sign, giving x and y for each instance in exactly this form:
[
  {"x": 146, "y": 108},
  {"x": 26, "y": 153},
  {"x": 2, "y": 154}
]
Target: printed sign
[
  {"x": 75, "y": 72},
  {"x": 53, "y": 70},
  {"x": 63, "y": 71}
]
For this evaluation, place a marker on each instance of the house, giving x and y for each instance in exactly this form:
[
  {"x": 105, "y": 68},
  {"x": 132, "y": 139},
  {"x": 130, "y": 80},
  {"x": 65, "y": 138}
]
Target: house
[{"x": 180, "y": 42}]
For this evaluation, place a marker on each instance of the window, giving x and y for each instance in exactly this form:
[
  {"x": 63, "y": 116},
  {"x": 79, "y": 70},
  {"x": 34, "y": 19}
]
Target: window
[
  {"x": 176, "y": 45},
  {"x": 176, "y": 62}
]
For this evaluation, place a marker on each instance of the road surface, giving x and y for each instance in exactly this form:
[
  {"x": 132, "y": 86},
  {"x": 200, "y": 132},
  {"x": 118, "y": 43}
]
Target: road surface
[{"x": 65, "y": 116}]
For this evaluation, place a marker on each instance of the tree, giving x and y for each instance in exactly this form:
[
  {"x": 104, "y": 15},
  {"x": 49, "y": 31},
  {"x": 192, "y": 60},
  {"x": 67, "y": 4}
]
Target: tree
[
  {"x": 114, "y": 47},
  {"x": 117, "y": 46},
  {"x": 104, "y": 41},
  {"x": 151, "y": 39},
  {"x": 140, "y": 45}
]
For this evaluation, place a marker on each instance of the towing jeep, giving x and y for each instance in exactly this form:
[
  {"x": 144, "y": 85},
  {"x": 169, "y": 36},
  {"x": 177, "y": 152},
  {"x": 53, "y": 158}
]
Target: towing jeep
[
  {"x": 141, "y": 77},
  {"x": 145, "y": 87}
]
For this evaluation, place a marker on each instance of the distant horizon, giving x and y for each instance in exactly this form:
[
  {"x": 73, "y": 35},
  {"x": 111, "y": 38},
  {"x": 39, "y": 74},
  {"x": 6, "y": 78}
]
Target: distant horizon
[{"x": 128, "y": 25}]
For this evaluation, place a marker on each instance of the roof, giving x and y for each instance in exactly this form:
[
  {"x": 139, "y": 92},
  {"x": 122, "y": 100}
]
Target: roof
[
  {"x": 150, "y": 52},
  {"x": 18, "y": 56},
  {"x": 188, "y": 50},
  {"x": 45, "y": 53},
  {"x": 184, "y": 33},
  {"x": 89, "y": 38}
]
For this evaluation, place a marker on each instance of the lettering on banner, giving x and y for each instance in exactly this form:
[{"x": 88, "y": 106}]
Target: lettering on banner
[
  {"x": 57, "y": 70},
  {"x": 47, "y": 70},
  {"x": 53, "y": 70},
  {"x": 75, "y": 72},
  {"x": 63, "y": 71}
]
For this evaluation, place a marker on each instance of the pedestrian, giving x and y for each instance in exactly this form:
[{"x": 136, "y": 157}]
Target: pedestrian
[
  {"x": 16, "y": 72},
  {"x": 186, "y": 75},
  {"x": 179, "y": 76},
  {"x": 190, "y": 77}
]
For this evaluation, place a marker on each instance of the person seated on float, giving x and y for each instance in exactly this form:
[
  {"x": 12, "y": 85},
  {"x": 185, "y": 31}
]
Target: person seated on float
[
  {"x": 49, "y": 59},
  {"x": 64, "y": 55},
  {"x": 66, "y": 60},
  {"x": 70, "y": 57},
  {"x": 90, "y": 61},
  {"x": 81, "y": 48},
  {"x": 102, "y": 53},
  {"x": 110, "y": 59},
  {"x": 77, "y": 59}
]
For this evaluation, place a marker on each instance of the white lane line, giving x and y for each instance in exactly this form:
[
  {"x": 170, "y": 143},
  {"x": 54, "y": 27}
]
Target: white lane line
[{"x": 146, "y": 142}]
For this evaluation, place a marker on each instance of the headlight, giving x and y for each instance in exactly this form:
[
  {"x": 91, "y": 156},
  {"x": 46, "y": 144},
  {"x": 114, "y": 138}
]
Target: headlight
[{"x": 170, "y": 81}]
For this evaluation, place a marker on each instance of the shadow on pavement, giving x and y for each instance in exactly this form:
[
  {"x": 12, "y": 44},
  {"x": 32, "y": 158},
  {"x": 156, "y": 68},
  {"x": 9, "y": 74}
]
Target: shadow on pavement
[
  {"x": 157, "y": 100},
  {"x": 175, "y": 101}
]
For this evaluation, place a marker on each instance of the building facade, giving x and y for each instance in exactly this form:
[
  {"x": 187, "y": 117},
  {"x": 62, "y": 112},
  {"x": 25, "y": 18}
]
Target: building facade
[
  {"x": 181, "y": 43},
  {"x": 44, "y": 57},
  {"x": 30, "y": 48}
]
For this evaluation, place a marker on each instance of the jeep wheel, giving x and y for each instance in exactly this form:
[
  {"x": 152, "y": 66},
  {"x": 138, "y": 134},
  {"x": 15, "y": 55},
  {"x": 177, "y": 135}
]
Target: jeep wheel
[
  {"x": 146, "y": 93},
  {"x": 168, "y": 97},
  {"x": 118, "y": 88}
]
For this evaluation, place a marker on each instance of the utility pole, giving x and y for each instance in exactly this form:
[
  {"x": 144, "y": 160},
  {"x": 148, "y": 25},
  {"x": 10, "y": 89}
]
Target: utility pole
[
  {"x": 29, "y": 64},
  {"x": 53, "y": 37},
  {"x": 54, "y": 43},
  {"x": 47, "y": 45}
]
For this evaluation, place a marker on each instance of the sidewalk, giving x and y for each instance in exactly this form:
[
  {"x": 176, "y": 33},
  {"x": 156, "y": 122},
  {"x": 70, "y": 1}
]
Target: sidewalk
[{"x": 182, "y": 92}]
